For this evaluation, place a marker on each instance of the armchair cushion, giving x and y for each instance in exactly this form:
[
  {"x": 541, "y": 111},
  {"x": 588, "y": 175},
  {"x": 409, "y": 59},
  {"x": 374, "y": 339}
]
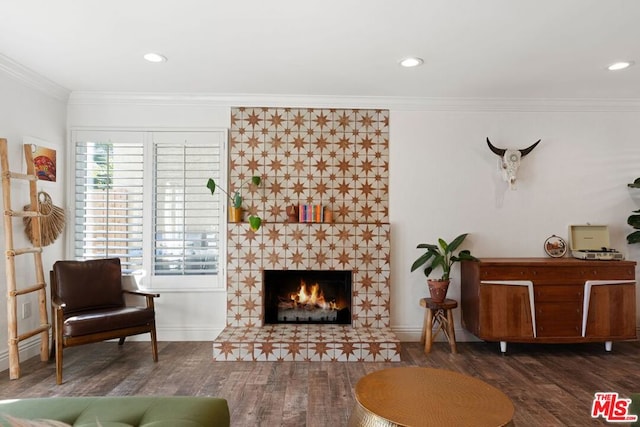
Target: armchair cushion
[
  {"x": 104, "y": 275},
  {"x": 95, "y": 321}
]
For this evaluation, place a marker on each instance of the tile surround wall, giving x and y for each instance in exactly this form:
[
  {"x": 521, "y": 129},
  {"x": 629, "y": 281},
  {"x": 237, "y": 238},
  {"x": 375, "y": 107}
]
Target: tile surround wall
[{"x": 335, "y": 157}]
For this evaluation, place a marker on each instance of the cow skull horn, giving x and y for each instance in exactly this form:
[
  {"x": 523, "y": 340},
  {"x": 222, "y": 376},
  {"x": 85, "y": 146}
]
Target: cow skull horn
[
  {"x": 510, "y": 160},
  {"x": 500, "y": 151},
  {"x": 527, "y": 150}
]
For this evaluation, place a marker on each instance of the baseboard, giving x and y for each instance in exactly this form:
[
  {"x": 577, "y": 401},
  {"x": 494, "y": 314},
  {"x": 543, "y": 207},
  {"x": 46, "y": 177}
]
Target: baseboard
[
  {"x": 31, "y": 347},
  {"x": 27, "y": 349},
  {"x": 412, "y": 334},
  {"x": 189, "y": 333}
]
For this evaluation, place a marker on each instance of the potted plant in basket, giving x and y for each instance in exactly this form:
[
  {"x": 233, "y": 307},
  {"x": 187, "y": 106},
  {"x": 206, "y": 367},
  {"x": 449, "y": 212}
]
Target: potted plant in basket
[
  {"x": 441, "y": 255},
  {"x": 235, "y": 209}
]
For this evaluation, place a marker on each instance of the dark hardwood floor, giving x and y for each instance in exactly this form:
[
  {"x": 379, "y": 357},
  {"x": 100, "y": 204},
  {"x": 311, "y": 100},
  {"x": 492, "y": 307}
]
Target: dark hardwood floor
[{"x": 550, "y": 385}]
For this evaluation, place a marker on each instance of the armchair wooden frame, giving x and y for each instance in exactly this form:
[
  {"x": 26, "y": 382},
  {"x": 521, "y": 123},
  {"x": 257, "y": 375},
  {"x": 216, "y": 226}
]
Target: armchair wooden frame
[{"x": 62, "y": 341}]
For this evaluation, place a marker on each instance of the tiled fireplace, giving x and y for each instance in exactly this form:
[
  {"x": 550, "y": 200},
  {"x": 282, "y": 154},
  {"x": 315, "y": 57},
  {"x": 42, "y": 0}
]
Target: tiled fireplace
[{"x": 334, "y": 157}]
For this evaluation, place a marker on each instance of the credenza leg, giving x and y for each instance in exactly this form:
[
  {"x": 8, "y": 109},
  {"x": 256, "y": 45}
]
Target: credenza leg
[
  {"x": 608, "y": 345},
  {"x": 503, "y": 346}
]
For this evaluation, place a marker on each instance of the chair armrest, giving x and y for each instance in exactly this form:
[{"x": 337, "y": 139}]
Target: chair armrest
[
  {"x": 141, "y": 293},
  {"x": 148, "y": 295},
  {"x": 57, "y": 303}
]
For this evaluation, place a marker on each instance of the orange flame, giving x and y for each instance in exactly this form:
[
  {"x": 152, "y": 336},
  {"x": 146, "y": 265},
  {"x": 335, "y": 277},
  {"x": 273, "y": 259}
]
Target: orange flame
[{"x": 312, "y": 297}]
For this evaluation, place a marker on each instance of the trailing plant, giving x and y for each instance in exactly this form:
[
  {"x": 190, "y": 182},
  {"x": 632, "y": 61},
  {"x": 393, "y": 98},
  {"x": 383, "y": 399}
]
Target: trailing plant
[
  {"x": 442, "y": 256},
  {"x": 236, "y": 199}
]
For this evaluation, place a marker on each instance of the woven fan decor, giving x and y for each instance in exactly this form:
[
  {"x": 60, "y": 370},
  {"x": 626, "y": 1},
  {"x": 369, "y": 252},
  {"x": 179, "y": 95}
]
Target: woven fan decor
[{"x": 51, "y": 222}]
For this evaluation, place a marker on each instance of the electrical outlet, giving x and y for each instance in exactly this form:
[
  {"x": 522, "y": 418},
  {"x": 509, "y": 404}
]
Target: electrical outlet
[{"x": 26, "y": 310}]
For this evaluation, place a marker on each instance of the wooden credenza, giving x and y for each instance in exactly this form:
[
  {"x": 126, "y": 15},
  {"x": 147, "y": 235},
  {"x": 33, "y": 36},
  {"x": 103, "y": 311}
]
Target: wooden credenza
[{"x": 549, "y": 300}]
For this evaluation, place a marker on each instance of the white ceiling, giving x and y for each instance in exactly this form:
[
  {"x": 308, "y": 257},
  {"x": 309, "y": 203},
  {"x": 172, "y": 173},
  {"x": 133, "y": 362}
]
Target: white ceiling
[{"x": 471, "y": 48}]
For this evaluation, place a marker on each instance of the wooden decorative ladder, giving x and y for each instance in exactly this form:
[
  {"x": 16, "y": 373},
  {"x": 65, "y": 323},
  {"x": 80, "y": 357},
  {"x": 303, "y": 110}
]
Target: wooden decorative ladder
[{"x": 11, "y": 252}]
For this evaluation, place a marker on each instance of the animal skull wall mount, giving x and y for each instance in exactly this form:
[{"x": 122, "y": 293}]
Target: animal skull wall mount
[{"x": 509, "y": 161}]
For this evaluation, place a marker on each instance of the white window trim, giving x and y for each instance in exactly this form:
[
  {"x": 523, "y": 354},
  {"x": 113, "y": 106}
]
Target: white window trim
[{"x": 167, "y": 283}]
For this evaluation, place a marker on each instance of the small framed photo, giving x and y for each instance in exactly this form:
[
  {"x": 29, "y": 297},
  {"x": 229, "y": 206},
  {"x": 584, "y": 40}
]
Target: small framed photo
[{"x": 555, "y": 247}]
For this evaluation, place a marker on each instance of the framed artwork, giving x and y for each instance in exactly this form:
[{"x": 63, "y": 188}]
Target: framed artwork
[{"x": 44, "y": 159}]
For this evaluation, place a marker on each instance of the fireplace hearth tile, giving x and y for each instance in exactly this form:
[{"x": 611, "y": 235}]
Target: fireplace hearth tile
[{"x": 315, "y": 343}]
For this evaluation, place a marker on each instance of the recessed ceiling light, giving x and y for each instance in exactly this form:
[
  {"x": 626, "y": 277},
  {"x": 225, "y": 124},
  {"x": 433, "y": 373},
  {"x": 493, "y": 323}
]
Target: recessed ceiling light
[
  {"x": 155, "y": 57},
  {"x": 620, "y": 65},
  {"x": 411, "y": 61}
]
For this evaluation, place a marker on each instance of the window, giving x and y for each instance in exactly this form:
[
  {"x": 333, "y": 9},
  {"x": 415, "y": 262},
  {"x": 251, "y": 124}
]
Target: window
[{"x": 142, "y": 197}]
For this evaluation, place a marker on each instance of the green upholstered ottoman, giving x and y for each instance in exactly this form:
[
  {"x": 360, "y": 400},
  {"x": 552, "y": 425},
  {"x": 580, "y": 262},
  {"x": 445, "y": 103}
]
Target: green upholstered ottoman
[
  {"x": 122, "y": 411},
  {"x": 634, "y": 409}
]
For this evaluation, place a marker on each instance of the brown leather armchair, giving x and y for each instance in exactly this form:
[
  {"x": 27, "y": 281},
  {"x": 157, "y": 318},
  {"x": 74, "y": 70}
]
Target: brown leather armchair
[{"x": 89, "y": 306}]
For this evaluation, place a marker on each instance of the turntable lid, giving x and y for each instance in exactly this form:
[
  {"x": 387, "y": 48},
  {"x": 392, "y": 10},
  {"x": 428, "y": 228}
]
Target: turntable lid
[{"x": 589, "y": 237}]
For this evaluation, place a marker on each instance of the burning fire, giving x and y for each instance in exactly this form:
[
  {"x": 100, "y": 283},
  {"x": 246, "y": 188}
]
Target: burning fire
[{"x": 311, "y": 298}]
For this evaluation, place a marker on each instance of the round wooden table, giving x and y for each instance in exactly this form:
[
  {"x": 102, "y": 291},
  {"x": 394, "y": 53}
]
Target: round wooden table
[{"x": 414, "y": 396}]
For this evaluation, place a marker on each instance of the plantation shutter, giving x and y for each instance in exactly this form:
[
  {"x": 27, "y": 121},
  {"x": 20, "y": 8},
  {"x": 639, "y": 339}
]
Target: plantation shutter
[
  {"x": 186, "y": 229},
  {"x": 109, "y": 188}
]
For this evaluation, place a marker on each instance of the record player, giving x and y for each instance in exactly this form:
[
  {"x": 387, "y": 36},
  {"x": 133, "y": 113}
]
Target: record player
[{"x": 591, "y": 242}]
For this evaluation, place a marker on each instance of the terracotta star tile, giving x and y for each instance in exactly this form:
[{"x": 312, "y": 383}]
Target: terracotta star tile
[
  {"x": 344, "y": 166},
  {"x": 319, "y": 259},
  {"x": 320, "y": 348},
  {"x": 296, "y": 258},
  {"x": 235, "y": 118},
  {"x": 344, "y": 120},
  {"x": 249, "y": 305},
  {"x": 254, "y": 118},
  {"x": 343, "y": 188},
  {"x": 276, "y": 142},
  {"x": 299, "y": 166},
  {"x": 366, "y": 188},
  {"x": 253, "y": 165},
  {"x": 298, "y": 142},
  {"x": 321, "y": 119},
  {"x": 345, "y": 211},
  {"x": 294, "y": 348},
  {"x": 226, "y": 348},
  {"x": 322, "y": 142},
  {"x": 299, "y": 119},
  {"x": 319, "y": 165},
  {"x": 254, "y": 141},
  {"x": 276, "y": 119},
  {"x": 275, "y": 166},
  {"x": 344, "y": 258},
  {"x": 250, "y": 258},
  {"x": 366, "y": 211},
  {"x": 320, "y": 235},
  {"x": 366, "y": 166},
  {"x": 344, "y": 143},
  {"x": 266, "y": 348}
]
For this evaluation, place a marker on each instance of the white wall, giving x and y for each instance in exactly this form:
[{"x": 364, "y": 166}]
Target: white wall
[
  {"x": 443, "y": 181},
  {"x": 28, "y": 112}
]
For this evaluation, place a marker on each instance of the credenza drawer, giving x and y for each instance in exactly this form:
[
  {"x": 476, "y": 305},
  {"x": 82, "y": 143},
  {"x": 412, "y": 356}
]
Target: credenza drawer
[
  {"x": 574, "y": 274},
  {"x": 558, "y": 293},
  {"x": 558, "y": 319}
]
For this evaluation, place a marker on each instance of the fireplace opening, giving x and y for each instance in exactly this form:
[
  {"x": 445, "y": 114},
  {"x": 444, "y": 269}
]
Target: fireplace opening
[{"x": 307, "y": 296}]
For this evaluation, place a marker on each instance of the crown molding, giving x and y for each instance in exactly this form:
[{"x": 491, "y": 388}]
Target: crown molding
[
  {"x": 32, "y": 79},
  {"x": 391, "y": 103}
]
